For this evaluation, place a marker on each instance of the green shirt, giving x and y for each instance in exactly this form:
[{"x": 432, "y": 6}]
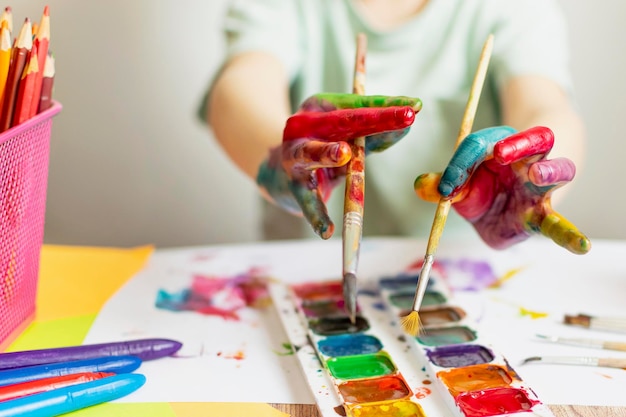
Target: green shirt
[{"x": 433, "y": 56}]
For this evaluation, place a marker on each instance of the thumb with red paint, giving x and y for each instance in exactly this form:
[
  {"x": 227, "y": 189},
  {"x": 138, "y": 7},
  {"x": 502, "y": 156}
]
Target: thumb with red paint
[{"x": 300, "y": 174}]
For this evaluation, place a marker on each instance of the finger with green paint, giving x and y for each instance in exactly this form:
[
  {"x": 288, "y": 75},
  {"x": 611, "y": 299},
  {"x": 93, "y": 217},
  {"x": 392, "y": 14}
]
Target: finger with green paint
[{"x": 502, "y": 182}]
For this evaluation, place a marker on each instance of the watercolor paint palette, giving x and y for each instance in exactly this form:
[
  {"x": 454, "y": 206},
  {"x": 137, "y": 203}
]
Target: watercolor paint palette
[{"x": 372, "y": 368}]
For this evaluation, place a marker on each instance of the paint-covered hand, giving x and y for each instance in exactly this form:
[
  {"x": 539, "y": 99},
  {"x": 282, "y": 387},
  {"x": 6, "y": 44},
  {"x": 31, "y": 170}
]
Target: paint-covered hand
[
  {"x": 300, "y": 174},
  {"x": 501, "y": 181}
]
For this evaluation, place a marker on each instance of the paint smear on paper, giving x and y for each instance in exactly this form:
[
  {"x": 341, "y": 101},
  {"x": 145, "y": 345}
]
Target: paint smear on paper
[
  {"x": 467, "y": 274},
  {"x": 218, "y": 296},
  {"x": 238, "y": 355},
  {"x": 532, "y": 314},
  {"x": 504, "y": 278}
]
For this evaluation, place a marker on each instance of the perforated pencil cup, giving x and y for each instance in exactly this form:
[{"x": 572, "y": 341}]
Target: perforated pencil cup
[{"x": 24, "y": 156}]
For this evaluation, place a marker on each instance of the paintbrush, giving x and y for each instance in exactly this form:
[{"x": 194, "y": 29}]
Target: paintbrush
[
  {"x": 612, "y": 324},
  {"x": 578, "y": 360},
  {"x": 354, "y": 194},
  {"x": 584, "y": 342},
  {"x": 411, "y": 323}
]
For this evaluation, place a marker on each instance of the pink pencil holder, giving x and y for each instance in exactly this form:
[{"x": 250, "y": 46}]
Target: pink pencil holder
[{"x": 24, "y": 155}]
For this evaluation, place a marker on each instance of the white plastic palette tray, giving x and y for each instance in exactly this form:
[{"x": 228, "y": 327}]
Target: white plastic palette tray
[{"x": 373, "y": 368}]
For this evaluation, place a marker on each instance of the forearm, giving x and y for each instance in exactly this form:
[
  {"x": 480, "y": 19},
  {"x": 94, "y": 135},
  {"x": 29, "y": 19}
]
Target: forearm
[
  {"x": 535, "y": 101},
  {"x": 248, "y": 107}
]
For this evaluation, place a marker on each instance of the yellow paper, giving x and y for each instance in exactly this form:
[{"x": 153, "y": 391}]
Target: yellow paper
[
  {"x": 126, "y": 410},
  {"x": 77, "y": 281},
  {"x": 53, "y": 333},
  {"x": 226, "y": 410}
]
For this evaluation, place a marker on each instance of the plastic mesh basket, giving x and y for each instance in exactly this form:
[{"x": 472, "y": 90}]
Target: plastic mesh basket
[{"x": 24, "y": 155}]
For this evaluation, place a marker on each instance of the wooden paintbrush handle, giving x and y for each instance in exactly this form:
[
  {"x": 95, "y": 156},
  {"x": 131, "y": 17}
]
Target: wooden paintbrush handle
[
  {"x": 612, "y": 362},
  {"x": 614, "y": 346}
]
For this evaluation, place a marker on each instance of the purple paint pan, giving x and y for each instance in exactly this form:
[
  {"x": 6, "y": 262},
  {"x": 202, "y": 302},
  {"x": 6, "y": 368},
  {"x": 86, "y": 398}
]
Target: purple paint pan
[
  {"x": 456, "y": 356},
  {"x": 145, "y": 349}
]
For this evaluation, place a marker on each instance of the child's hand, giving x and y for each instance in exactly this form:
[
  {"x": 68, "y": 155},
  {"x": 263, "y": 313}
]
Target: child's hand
[
  {"x": 300, "y": 174},
  {"x": 501, "y": 182}
]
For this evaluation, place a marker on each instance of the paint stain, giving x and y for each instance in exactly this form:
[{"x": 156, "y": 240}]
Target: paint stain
[
  {"x": 422, "y": 392},
  {"x": 504, "y": 278},
  {"x": 446, "y": 336},
  {"x": 468, "y": 274},
  {"x": 457, "y": 356},
  {"x": 349, "y": 344},
  {"x": 474, "y": 378},
  {"x": 329, "y": 326},
  {"x": 524, "y": 312},
  {"x": 404, "y": 300},
  {"x": 361, "y": 366},
  {"x": 238, "y": 355},
  {"x": 369, "y": 390},
  {"x": 218, "y": 296},
  {"x": 288, "y": 350},
  {"x": 438, "y": 316},
  {"x": 494, "y": 402},
  {"x": 395, "y": 409}
]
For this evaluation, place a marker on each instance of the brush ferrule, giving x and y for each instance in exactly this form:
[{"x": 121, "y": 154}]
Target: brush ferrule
[
  {"x": 422, "y": 281},
  {"x": 352, "y": 232}
]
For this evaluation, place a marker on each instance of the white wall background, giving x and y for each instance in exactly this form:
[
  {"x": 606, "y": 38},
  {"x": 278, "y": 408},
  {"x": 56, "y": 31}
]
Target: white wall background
[{"x": 131, "y": 165}]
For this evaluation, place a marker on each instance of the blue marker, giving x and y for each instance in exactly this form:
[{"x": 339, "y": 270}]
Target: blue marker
[
  {"x": 116, "y": 364},
  {"x": 75, "y": 397}
]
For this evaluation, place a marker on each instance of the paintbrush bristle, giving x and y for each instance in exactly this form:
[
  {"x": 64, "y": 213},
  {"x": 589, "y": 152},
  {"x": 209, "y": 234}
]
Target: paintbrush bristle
[{"x": 411, "y": 323}]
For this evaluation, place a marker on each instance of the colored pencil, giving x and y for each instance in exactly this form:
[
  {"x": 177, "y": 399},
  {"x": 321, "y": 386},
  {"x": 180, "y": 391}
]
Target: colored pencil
[
  {"x": 5, "y": 57},
  {"x": 42, "y": 41},
  {"x": 411, "y": 323},
  {"x": 7, "y": 16},
  {"x": 26, "y": 89},
  {"x": 47, "y": 84},
  {"x": 10, "y": 392},
  {"x": 75, "y": 397},
  {"x": 23, "y": 45},
  {"x": 611, "y": 324},
  {"x": 354, "y": 194},
  {"x": 144, "y": 349},
  {"x": 116, "y": 364}
]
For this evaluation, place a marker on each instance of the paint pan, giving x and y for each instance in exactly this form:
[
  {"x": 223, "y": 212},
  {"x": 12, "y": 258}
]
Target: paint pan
[
  {"x": 404, "y": 300},
  {"x": 365, "y": 369},
  {"x": 372, "y": 368},
  {"x": 457, "y": 356},
  {"x": 469, "y": 374}
]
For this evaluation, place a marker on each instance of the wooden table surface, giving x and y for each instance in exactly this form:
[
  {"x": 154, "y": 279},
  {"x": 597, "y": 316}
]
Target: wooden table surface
[{"x": 310, "y": 410}]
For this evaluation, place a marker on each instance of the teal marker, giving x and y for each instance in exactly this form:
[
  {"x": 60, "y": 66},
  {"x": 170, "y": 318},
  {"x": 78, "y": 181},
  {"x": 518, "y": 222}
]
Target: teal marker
[
  {"x": 74, "y": 397},
  {"x": 115, "y": 364}
]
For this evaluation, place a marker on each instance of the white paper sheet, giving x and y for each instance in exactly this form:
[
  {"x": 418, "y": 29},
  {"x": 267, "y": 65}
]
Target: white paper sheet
[{"x": 550, "y": 280}]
